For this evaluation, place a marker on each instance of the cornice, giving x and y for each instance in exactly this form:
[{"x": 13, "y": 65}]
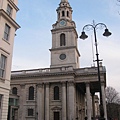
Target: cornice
[
  {"x": 6, "y": 16},
  {"x": 69, "y": 7},
  {"x": 63, "y": 48},
  {"x": 42, "y": 74},
  {"x": 66, "y": 28},
  {"x": 4, "y": 50},
  {"x": 80, "y": 73},
  {"x": 89, "y": 74},
  {"x": 13, "y": 4},
  {"x": 32, "y": 75}
]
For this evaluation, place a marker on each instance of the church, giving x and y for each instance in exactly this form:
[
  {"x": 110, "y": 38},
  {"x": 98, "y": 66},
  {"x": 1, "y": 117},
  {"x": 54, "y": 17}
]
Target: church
[{"x": 64, "y": 91}]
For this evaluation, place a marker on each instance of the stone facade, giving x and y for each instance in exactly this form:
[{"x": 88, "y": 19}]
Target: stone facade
[
  {"x": 8, "y": 26},
  {"x": 73, "y": 84}
]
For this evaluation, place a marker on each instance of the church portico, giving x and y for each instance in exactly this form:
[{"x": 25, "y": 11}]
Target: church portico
[{"x": 61, "y": 93}]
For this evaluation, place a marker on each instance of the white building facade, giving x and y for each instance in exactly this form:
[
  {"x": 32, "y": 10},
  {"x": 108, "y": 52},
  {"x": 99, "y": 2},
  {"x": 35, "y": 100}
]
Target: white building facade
[
  {"x": 58, "y": 92},
  {"x": 8, "y": 26}
]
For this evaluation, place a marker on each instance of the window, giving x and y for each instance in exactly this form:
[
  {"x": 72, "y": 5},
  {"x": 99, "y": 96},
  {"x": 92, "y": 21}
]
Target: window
[
  {"x": 30, "y": 112},
  {"x": 31, "y": 93},
  {"x": 67, "y": 14},
  {"x": 62, "y": 39},
  {"x": 14, "y": 91},
  {"x": 56, "y": 116},
  {"x": 56, "y": 93},
  {"x": 2, "y": 65},
  {"x": 63, "y": 13},
  {"x": 0, "y": 106},
  {"x": 6, "y": 32},
  {"x": 9, "y": 10},
  {"x": 13, "y": 102}
]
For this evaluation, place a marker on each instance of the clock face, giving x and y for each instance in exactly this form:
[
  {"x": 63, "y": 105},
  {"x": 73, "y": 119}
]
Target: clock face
[
  {"x": 62, "y": 56},
  {"x": 62, "y": 23}
]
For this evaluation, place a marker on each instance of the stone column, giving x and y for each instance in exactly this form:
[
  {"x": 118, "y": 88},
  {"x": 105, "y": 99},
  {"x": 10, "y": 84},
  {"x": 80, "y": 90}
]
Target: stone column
[
  {"x": 64, "y": 101},
  {"x": 88, "y": 99},
  {"x": 22, "y": 102},
  {"x": 47, "y": 102},
  {"x": 71, "y": 101},
  {"x": 104, "y": 99},
  {"x": 93, "y": 104},
  {"x": 40, "y": 104}
]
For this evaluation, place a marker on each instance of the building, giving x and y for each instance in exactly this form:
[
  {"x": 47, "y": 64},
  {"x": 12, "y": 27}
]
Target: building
[
  {"x": 97, "y": 110},
  {"x": 8, "y": 26},
  {"x": 58, "y": 92}
]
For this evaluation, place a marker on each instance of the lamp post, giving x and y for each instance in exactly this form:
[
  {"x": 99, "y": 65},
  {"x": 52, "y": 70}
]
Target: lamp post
[{"x": 84, "y": 36}]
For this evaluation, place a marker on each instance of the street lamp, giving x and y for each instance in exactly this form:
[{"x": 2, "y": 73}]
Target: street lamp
[{"x": 84, "y": 36}]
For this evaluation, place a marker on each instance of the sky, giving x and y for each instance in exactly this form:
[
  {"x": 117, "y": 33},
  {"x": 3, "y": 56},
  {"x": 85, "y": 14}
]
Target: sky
[{"x": 33, "y": 40}]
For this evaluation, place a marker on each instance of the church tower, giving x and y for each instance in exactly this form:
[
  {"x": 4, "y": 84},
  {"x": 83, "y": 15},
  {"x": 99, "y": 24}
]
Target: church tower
[{"x": 64, "y": 51}]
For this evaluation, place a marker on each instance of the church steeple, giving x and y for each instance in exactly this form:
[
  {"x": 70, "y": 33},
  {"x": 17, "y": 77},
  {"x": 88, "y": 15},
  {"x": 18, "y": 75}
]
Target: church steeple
[
  {"x": 64, "y": 13},
  {"x": 64, "y": 51}
]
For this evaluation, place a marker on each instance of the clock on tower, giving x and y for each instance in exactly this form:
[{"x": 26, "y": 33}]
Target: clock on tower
[{"x": 64, "y": 51}]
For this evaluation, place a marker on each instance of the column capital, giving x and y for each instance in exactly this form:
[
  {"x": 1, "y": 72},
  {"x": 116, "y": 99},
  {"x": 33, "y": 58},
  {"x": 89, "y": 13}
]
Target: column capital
[
  {"x": 102, "y": 82},
  {"x": 87, "y": 83},
  {"x": 39, "y": 85},
  {"x": 46, "y": 83},
  {"x": 71, "y": 83},
  {"x": 22, "y": 86},
  {"x": 63, "y": 83}
]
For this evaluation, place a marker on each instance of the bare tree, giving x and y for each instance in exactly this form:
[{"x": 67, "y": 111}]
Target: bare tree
[
  {"x": 112, "y": 96},
  {"x": 113, "y": 103}
]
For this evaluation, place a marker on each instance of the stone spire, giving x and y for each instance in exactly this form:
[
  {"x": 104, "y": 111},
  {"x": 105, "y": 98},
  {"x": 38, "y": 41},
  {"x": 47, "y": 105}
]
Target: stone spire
[{"x": 64, "y": 0}]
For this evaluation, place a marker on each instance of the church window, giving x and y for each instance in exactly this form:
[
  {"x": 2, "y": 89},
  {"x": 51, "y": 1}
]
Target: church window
[
  {"x": 56, "y": 115},
  {"x": 30, "y": 112},
  {"x": 14, "y": 91},
  {"x": 67, "y": 14},
  {"x": 56, "y": 93},
  {"x": 63, "y": 13},
  {"x": 31, "y": 93},
  {"x": 62, "y": 39}
]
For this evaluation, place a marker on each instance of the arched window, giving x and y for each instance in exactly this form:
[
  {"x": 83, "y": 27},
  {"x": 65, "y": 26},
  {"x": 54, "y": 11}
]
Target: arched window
[
  {"x": 31, "y": 93},
  {"x": 62, "y": 39},
  {"x": 14, "y": 90},
  {"x": 56, "y": 93},
  {"x": 63, "y": 13},
  {"x": 67, "y": 13}
]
